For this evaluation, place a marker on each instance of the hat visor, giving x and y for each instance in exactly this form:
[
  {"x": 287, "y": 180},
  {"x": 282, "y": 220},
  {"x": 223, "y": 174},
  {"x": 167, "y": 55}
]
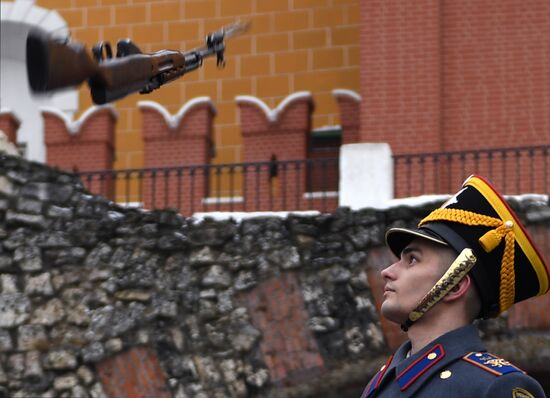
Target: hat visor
[{"x": 398, "y": 238}]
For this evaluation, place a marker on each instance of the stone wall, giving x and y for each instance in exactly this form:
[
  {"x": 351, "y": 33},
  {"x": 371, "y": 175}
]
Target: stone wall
[{"x": 102, "y": 301}]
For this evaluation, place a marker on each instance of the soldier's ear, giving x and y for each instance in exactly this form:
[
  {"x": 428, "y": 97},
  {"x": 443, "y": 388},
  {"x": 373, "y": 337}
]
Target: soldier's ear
[{"x": 459, "y": 290}]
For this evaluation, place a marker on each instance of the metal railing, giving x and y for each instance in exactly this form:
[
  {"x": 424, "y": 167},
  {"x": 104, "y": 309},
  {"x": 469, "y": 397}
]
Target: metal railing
[
  {"x": 310, "y": 184},
  {"x": 511, "y": 170}
]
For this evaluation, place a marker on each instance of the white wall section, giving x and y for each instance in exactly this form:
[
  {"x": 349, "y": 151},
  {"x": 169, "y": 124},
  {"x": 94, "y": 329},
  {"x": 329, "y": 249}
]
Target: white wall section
[{"x": 17, "y": 18}]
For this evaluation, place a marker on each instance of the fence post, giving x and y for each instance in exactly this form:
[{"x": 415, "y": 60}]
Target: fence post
[{"x": 366, "y": 175}]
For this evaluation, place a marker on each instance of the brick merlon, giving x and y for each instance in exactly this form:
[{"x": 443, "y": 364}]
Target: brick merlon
[
  {"x": 272, "y": 115},
  {"x": 174, "y": 121},
  {"x": 75, "y": 126},
  {"x": 346, "y": 94},
  {"x": 8, "y": 113}
]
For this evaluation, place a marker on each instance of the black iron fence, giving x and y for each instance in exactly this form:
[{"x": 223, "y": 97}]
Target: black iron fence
[
  {"x": 511, "y": 170},
  {"x": 258, "y": 186},
  {"x": 313, "y": 183}
]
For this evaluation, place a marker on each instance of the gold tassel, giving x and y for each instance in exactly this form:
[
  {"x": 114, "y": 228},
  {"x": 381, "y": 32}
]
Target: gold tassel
[{"x": 490, "y": 240}]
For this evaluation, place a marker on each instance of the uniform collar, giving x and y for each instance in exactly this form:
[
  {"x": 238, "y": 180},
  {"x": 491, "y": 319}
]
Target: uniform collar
[{"x": 411, "y": 373}]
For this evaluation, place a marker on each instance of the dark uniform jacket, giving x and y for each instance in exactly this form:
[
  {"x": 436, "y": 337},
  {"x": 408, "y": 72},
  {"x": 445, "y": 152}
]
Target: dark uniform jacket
[{"x": 454, "y": 365}]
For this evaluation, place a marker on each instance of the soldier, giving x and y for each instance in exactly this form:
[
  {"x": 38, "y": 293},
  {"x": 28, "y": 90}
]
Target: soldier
[{"x": 488, "y": 263}]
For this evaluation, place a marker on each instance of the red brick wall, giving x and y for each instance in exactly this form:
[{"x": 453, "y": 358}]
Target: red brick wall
[
  {"x": 531, "y": 314},
  {"x": 135, "y": 373},
  {"x": 534, "y": 313},
  {"x": 457, "y": 75},
  {"x": 188, "y": 143},
  {"x": 401, "y": 74},
  {"x": 284, "y": 138},
  {"x": 350, "y": 108},
  {"x": 277, "y": 309},
  {"x": 89, "y": 148},
  {"x": 9, "y": 123},
  {"x": 496, "y": 81}
]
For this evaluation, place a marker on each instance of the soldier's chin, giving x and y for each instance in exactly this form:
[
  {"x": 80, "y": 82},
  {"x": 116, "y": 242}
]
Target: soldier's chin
[{"x": 393, "y": 314}]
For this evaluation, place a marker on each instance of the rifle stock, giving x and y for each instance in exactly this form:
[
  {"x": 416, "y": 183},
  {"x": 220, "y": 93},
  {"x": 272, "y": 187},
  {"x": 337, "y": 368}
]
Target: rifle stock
[{"x": 54, "y": 64}]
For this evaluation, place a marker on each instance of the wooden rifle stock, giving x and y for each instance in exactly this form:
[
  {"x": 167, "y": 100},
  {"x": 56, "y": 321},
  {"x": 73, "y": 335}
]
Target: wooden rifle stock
[{"x": 54, "y": 64}]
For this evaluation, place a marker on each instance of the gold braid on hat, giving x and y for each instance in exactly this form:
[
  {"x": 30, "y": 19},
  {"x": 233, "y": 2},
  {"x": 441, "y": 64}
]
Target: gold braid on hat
[{"x": 489, "y": 241}]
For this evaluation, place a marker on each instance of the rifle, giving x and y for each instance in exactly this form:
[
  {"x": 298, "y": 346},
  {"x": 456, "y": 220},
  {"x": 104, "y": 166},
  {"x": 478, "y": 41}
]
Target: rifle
[{"x": 54, "y": 64}]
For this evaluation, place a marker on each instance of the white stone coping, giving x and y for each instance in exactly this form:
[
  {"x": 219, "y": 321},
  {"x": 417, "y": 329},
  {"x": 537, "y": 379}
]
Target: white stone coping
[
  {"x": 327, "y": 127},
  {"x": 240, "y": 216},
  {"x": 222, "y": 200},
  {"x": 413, "y": 201},
  {"x": 533, "y": 197},
  {"x": 272, "y": 114},
  {"x": 74, "y": 126},
  {"x": 8, "y": 111},
  {"x": 173, "y": 121},
  {"x": 340, "y": 92},
  {"x": 131, "y": 205},
  {"x": 320, "y": 195},
  {"x": 416, "y": 201}
]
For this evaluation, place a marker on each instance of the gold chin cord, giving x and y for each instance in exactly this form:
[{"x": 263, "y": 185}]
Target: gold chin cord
[{"x": 458, "y": 270}]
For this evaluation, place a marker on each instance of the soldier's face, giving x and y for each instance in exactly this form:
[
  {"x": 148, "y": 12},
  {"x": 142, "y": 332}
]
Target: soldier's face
[{"x": 420, "y": 266}]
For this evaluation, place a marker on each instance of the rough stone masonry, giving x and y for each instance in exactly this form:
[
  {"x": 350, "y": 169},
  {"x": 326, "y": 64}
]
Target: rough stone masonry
[{"x": 267, "y": 307}]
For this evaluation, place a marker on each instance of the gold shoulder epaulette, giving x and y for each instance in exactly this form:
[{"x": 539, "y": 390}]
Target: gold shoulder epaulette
[{"x": 491, "y": 363}]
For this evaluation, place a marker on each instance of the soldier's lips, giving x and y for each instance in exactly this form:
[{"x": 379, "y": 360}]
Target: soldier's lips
[{"x": 388, "y": 289}]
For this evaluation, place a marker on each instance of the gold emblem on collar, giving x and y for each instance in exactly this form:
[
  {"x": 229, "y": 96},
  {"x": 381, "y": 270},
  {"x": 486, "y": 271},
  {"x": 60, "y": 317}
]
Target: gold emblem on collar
[
  {"x": 445, "y": 374},
  {"x": 521, "y": 393},
  {"x": 432, "y": 356},
  {"x": 497, "y": 362}
]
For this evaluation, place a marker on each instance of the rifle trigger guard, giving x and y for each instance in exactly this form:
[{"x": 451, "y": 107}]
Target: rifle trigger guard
[{"x": 99, "y": 49}]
